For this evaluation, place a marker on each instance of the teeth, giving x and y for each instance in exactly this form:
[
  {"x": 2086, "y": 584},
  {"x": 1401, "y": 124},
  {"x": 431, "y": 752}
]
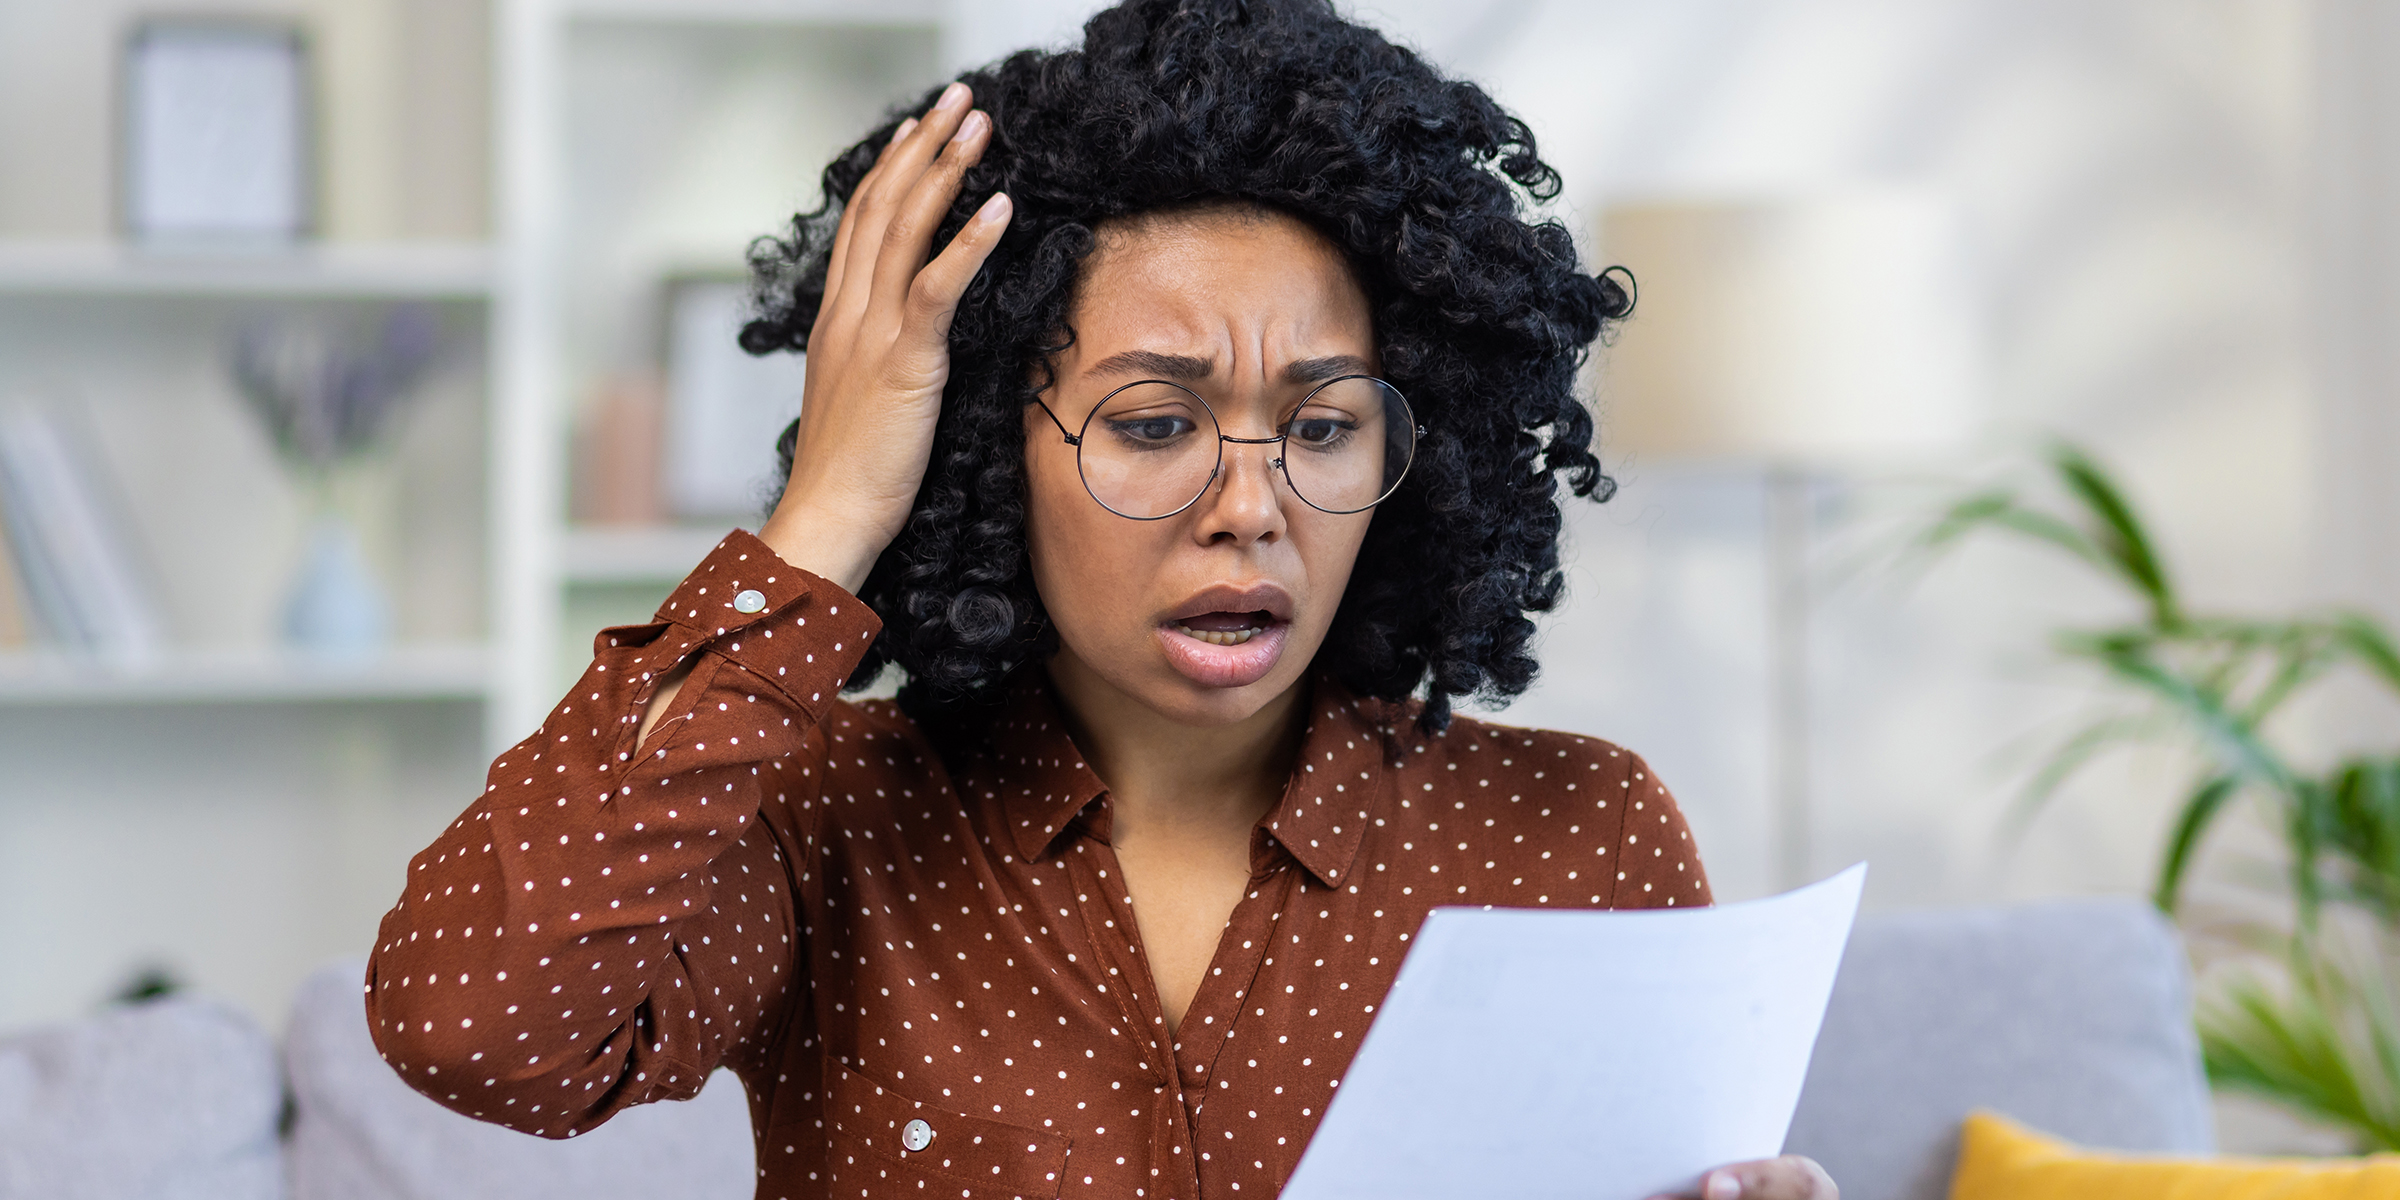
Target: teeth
[{"x": 1218, "y": 637}]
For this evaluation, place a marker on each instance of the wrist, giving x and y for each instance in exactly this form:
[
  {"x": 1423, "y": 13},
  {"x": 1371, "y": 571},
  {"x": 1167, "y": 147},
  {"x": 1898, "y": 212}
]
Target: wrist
[{"x": 825, "y": 544}]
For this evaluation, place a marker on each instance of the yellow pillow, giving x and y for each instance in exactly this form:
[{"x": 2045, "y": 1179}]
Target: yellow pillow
[{"x": 1999, "y": 1159}]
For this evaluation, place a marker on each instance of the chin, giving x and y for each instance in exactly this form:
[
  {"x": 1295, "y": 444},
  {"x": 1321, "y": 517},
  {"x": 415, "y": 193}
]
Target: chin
[{"x": 1185, "y": 703}]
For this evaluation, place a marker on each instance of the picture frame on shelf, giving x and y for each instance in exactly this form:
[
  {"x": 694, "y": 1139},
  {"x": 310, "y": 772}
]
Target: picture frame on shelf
[{"x": 217, "y": 135}]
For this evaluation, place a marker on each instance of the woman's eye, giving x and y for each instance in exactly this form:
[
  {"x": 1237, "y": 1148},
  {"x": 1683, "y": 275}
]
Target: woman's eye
[
  {"x": 1152, "y": 429},
  {"x": 1318, "y": 431}
]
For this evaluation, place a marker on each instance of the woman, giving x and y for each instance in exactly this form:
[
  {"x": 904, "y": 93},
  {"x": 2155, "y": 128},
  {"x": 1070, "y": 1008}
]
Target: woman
[{"x": 1228, "y": 416}]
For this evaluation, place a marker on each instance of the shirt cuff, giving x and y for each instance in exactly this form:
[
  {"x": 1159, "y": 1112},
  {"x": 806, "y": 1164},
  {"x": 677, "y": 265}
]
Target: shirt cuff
[{"x": 744, "y": 595}]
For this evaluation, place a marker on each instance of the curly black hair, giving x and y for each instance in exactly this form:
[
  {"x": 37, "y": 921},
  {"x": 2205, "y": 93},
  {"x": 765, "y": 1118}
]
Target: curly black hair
[{"x": 1481, "y": 316}]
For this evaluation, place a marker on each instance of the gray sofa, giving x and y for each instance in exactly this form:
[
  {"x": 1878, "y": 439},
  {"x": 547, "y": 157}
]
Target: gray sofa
[{"x": 2073, "y": 1017}]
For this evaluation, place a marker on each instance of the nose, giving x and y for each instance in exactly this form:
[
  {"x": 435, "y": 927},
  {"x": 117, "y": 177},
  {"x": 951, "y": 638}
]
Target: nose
[{"x": 1244, "y": 504}]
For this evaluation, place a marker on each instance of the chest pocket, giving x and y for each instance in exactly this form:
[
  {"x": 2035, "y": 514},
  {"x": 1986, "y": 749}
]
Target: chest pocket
[{"x": 885, "y": 1144}]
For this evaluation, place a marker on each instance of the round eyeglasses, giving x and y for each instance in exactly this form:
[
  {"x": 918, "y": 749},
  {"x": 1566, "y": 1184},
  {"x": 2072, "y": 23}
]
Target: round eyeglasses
[{"x": 1150, "y": 449}]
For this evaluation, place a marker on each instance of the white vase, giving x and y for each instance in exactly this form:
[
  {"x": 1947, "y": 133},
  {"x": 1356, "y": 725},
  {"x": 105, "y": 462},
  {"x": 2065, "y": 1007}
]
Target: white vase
[{"x": 336, "y": 608}]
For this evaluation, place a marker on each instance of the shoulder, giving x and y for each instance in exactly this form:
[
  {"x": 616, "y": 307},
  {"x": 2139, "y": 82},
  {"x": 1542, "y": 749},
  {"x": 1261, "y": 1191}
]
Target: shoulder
[
  {"x": 869, "y": 756},
  {"x": 1548, "y": 760},
  {"x": 1582, "y": 799},
  {"x": 874, "y": 736},
  {"x": 868, "y": 722}
]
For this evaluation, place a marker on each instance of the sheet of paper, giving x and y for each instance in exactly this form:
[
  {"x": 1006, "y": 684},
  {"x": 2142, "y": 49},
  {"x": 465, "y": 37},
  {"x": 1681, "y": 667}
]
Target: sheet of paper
[{"x": 1587, "y": 1055}]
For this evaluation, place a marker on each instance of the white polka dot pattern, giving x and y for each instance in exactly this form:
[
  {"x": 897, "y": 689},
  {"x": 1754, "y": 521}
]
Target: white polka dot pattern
[{"x": 802, "y": 890}]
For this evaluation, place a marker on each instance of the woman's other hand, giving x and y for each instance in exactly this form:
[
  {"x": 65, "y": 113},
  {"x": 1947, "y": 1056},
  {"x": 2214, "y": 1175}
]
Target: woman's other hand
[
  {"x": 1790, "y": 1177},
  {"x": 880, "y": 350}
]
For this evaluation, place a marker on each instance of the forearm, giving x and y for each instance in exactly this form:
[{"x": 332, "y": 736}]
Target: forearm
[{"x": 539, "y": 968}]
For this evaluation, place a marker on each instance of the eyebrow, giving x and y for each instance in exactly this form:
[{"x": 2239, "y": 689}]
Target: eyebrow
[
  {"x": 1318, "y": 370},
  {"x": 1184, "y": 368}
]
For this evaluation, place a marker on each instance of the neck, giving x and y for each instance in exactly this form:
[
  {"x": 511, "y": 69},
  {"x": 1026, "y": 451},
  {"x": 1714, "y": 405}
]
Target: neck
[{"x": 1164, "y": 775}]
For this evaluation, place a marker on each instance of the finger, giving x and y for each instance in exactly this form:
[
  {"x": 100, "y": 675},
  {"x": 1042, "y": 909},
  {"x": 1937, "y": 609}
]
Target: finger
[
  {"x": 894, "y": 181},
  {"x": 933, "y": 296},
  {"x": 849, "y": 222},
  {"x": 853, "y": 256},
  {"x": 1791, "y": 1177},
  {"x": 908, "y": 239}
]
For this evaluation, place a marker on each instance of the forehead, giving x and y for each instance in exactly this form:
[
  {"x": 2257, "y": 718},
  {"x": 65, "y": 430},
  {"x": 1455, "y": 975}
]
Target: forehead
[{"x": 1223, "y": 283}]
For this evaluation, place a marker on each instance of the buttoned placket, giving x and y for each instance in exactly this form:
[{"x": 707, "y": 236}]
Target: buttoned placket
[
  {"x": 1181, "y": 1064},
  {"x": 1061, "y": 813}
]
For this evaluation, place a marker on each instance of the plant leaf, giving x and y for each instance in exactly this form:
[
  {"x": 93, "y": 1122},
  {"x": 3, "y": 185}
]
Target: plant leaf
[
  {"x": 2071, "y": 756},
  {"x": 2236, "y": 743},
  {"x": 2199, "y": 809},
  {"x": 2001, "y": 508},
  {"x": 2369, "y": 644},
  {"x": 2327, "y": 1048},
  {"x": 2118, "y": 531}
]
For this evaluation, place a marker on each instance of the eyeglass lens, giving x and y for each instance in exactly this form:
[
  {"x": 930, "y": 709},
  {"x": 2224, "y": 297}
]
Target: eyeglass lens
[{"x": 1151, "y": 449}]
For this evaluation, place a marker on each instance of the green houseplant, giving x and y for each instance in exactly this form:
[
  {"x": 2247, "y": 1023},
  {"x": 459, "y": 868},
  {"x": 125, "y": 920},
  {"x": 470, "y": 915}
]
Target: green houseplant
[{"x": 2321, "y": 1035}]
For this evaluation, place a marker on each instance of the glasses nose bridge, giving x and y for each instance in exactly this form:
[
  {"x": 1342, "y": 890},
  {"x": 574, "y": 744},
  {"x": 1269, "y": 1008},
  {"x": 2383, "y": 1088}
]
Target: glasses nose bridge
[{"x": 1271, "y": 451}]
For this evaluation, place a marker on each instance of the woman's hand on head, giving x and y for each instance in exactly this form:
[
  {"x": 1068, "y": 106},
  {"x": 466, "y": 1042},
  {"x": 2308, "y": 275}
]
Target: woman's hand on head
[
  {"x": 879, "y": 353},
  {"x": 1790, "y": 1177}
]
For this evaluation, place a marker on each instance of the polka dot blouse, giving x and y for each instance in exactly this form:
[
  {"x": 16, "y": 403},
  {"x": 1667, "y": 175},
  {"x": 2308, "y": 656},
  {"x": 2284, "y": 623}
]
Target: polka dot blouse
[{"x": 931, "y": 980}]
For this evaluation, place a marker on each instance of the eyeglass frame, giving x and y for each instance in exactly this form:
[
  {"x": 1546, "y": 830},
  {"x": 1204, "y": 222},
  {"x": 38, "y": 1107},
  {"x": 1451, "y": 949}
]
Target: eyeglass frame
[{"x": 1277, "y": 463}]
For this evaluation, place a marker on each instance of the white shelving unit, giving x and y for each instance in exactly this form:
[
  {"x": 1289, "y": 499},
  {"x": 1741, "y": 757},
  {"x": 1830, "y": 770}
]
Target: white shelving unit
[
  {"x": 433, "y": 271},
  {"x": 247, "y": 676},
  {"x": 926, "y": 14},
  {"x": 525, "y": 285},
  {"x": 39, "y": 272}
]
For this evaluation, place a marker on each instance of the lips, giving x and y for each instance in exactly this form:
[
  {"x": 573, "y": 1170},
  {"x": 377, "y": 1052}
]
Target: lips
[
  {"x": 1227, "y": 636},
  {"x": 1262, "y": 599}
]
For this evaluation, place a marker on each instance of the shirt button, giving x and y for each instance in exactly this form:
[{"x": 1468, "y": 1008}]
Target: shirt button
[
  {"x": 915, "y": 1136},
  {"x": 750, "y": 601}
]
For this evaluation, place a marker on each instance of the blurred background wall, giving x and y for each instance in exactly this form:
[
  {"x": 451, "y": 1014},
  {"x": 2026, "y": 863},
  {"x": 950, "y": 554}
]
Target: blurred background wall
[{"x": 2167, "y": 217}]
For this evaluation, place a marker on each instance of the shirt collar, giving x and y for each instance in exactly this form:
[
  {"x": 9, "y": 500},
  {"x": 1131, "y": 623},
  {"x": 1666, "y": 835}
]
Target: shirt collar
[
  {"x": 1349, "y": 758},
  {"x": 1043, "y": 780}
]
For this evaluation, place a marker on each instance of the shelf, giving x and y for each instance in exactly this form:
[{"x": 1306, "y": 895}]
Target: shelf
[
  {"x": 910, "y": 13},
  {"x": 425, "y": 270},
  {"x": 256, "y": 676},
  {"x": 635, "y": 554}
]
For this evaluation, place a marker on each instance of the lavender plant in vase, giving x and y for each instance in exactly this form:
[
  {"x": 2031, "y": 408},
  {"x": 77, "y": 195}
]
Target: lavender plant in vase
[{"x": 327, "y": 387}]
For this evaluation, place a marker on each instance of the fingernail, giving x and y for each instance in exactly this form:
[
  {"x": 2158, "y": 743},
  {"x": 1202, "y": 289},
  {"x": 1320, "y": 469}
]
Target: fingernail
[
  {"x": 973, "y": 125},
  {"x": 994, "y": 209},
  {"x": 905, "y": 127},
  {"x": 952, "y": 96},
  {"x": 1722, "y": 1186}
]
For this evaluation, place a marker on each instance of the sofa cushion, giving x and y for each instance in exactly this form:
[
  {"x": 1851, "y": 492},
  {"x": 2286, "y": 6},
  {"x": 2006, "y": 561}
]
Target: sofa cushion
[
  {"x": 2002, "y": 1160},
  {"x": 359, "y": 1133},
  {"x": 2072, "y": 1016},
  {"x": 175, "y": 1099}
]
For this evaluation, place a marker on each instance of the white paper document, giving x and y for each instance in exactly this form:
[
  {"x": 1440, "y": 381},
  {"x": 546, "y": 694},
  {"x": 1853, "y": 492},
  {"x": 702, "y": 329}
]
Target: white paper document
[{"x": 1538, "y": 1054}]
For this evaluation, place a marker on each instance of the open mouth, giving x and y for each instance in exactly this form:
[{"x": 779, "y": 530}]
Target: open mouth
[
  {"x": 1227, "y": 635},
  {"x": 1224, "y": 628}
]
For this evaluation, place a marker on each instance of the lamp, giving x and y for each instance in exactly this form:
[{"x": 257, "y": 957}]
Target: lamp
[{"x": 1797, "y": 337}]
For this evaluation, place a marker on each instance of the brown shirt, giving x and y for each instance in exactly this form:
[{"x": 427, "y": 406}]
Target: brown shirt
[{"x": 796, "y": 888}]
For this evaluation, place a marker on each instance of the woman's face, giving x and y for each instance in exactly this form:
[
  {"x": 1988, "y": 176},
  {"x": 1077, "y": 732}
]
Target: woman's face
[{"x": 1206, "y": 616}]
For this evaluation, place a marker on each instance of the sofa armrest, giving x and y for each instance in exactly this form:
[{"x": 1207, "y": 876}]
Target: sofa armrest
[
  {"x": 2074, "y": 1017},
  {"x": 178, "y": 1097},
  {"x": 360, "y": 1133}
]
